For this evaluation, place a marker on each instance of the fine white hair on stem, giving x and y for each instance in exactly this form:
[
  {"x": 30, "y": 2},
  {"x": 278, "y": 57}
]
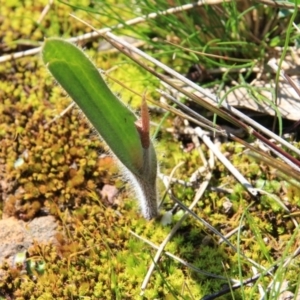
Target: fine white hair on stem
[
  {"x": 143, "y": 182},
  {"x": 144, "y": 187}
]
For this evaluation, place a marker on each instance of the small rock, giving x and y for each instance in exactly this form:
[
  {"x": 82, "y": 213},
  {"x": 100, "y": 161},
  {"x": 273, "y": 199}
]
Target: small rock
[
  {"x": 109, "y": 192},
  {"x": 227, "y": 206},
  {"x": 286, "y": 295},
  {"x": 17, "y": 236}
]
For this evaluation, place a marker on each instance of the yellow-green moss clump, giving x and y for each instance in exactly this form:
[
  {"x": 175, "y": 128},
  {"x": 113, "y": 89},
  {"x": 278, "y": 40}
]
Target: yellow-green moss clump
[
  {"x": 99, "y": 259},
  {"x": 22, "y": 24},
  {"x": 56, "y": 168},
  {"x": 48, "y": 165}
]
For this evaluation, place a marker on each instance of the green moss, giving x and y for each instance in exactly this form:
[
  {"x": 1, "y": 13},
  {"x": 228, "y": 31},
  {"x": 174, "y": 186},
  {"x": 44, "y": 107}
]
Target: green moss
[{"x": 57, "y": 168}]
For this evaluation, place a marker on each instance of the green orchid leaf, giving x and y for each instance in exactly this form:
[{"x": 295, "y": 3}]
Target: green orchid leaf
[
  {"x": 127, "y": 137},
  {"x": 110, "y": 117}
]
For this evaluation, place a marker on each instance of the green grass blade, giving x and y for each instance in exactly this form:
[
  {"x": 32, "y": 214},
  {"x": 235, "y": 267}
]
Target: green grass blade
[{"x": 83, "y": 82}]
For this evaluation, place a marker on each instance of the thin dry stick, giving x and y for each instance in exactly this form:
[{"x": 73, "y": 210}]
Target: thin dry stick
[
  {"x": 70, "y": 106},
  {"x": 97, "y": 33},
  {"x": 196, "y": 141},
  {"x": 253, "y": 279},
  {"x": 183, "y": 261},
  {"x": 286, "y": 263},
  {"x": 203, "y": 121},
  {"x": 246, "y": 184},
  {"x": 283, "y": 158},
  {"x": 236, "y": 286},
  {"x": 114, "y": 40},
  {"x": 221, "y": 189},
  {"x": 260, "y": 288},
  {"x": 197, "y": 197},
  {"x": 195, "y": 176},
  {"x": 168, "y": 183},
  {"x": 164, "y": 106},
  {"x": 278, "y": 4},
  {"x": 224, "y": 131},
  {"x": 167, "y": 178},
  {"x": 277, "y": 200},
  {"x": 230, "y": 234},
  {"x": 45, "y": 11},
  {"x": 207, "y": 225}
]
